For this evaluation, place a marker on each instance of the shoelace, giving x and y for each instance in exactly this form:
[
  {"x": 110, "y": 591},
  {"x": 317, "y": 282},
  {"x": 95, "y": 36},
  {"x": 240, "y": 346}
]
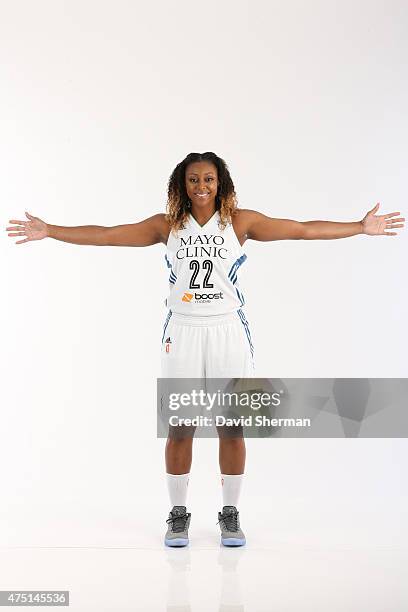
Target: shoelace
[
  {"x": 178, "y": 522},
  {"x": 230, "y": 520}
]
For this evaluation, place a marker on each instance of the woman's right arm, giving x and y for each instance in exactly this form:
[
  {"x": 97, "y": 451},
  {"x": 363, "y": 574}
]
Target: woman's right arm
[{"x": 145, "y": 233}]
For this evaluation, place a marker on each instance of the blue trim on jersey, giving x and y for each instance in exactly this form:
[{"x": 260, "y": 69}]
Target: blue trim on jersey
[
  {"x": 232, "y": 274},
  {"x": 240, "y": 297},
  {"x": 166, "y": 324},
  {"x": 172, "y": 277},
  {"x": 246, "y": 327}
]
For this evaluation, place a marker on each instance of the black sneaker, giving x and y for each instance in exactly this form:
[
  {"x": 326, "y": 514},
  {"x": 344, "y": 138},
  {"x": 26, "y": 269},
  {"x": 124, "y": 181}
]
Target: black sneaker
[
  {"x": 179, "y": 522},
  {"x": 231, "y": 533}
]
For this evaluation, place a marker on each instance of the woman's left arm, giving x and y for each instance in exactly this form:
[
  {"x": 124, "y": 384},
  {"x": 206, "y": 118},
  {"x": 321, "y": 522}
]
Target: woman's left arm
[{"x": 261, "y": 227}]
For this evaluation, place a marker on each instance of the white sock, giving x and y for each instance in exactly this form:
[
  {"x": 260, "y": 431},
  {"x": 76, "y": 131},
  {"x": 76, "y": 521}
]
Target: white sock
[
  {"x": 177, "y": 485},
  {"x": 231, "y": 488}
]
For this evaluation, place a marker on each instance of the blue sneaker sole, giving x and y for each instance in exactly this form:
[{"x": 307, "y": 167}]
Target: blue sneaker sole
[
  {"x": 233, "y": 541},
  {"x": 176, "y": 542}
]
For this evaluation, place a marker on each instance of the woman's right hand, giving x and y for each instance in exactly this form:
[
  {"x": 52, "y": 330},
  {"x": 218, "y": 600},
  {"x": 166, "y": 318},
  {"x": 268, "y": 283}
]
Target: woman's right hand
[{"x": 33, "y": 229}]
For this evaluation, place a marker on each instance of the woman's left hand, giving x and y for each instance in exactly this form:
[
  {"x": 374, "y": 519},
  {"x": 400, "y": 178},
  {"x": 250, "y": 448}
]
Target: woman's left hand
[{"x": 376, "y": 225}]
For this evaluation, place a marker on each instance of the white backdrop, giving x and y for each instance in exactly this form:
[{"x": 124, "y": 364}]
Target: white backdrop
[{"x": 306, "y": 101}]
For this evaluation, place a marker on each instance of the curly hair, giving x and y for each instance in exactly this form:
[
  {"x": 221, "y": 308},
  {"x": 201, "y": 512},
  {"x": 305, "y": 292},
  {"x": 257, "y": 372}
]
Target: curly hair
[{"x": 178, "y": 202}]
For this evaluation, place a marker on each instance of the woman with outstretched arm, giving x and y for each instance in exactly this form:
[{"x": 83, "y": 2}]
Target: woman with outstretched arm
[{"x": 206, "y": 333}]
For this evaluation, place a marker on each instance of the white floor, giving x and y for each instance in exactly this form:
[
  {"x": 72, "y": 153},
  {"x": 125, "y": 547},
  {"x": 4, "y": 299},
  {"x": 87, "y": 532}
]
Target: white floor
[{"x": 311, "y": 555}]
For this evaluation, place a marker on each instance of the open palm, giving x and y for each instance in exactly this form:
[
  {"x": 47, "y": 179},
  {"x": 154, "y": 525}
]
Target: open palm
[
  {"x": 33, "y": 229},
  {"x": 375, "y": 225}
]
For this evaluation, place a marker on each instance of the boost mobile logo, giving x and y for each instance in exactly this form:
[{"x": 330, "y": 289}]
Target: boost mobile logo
[{"x": 187, "y": 297}]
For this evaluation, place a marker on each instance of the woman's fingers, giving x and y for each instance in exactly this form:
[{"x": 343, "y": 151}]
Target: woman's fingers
[
  {"x": 21, "y": 241},
  {"x": 390, "y": 215},
  {"x": 18, "y": 234},
  {"x": 396, "y": 220},
  {"x": 16, "y": 227},
  {"x": 18, "y": 222}
]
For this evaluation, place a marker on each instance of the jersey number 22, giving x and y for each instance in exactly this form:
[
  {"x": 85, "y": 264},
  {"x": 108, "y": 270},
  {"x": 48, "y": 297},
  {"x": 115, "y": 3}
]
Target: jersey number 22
[{"x": 195, "y": 266}]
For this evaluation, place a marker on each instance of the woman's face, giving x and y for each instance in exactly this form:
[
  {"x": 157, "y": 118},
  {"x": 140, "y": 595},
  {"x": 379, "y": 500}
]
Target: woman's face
[{"x": 202, "y": 183}]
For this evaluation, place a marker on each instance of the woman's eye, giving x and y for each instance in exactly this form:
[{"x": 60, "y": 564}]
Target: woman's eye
[{"x": 194, "y": 180}]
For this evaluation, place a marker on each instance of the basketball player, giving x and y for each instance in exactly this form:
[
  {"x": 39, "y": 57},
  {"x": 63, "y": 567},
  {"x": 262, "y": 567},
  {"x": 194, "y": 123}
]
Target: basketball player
[{"x": 206, "y": 333}]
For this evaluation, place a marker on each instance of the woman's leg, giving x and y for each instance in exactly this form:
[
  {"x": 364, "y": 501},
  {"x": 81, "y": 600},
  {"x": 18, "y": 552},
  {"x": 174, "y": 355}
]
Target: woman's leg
[
  {"x": 182, "y": 357},
  {"x": 230, "y": 357},
  {"x": 178, "y": 464},
  {"x": 232, "y": 464},
  {"x": 232, "y": 455},
  {"x": 179, "y": 453}
]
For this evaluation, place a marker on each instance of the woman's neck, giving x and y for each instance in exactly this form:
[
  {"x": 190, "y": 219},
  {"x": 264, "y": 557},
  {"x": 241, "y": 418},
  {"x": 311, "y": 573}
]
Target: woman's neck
[{"x": 202, "y": 216}]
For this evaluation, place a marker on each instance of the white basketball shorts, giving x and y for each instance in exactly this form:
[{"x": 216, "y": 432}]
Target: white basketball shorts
[{"x": 217, "y": 346}]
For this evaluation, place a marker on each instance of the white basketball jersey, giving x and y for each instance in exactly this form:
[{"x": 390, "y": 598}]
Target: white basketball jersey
[{"x": 204, "y": 262}]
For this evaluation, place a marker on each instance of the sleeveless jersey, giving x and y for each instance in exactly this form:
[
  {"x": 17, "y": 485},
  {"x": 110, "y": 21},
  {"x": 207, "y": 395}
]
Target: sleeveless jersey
[{"x": 204, "y": 262}]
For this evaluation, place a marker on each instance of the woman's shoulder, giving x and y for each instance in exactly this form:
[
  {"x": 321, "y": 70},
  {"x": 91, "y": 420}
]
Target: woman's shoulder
[
  {"x": 242, "y": 219},
  {"x": 244, "y": 214},
  {"x": 162, "y": 225}
]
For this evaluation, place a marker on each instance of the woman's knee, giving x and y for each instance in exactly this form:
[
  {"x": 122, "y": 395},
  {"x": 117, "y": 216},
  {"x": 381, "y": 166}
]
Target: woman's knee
[
  {"x": 233, "y": 434},
  {"x": 181, "y": 435}
]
